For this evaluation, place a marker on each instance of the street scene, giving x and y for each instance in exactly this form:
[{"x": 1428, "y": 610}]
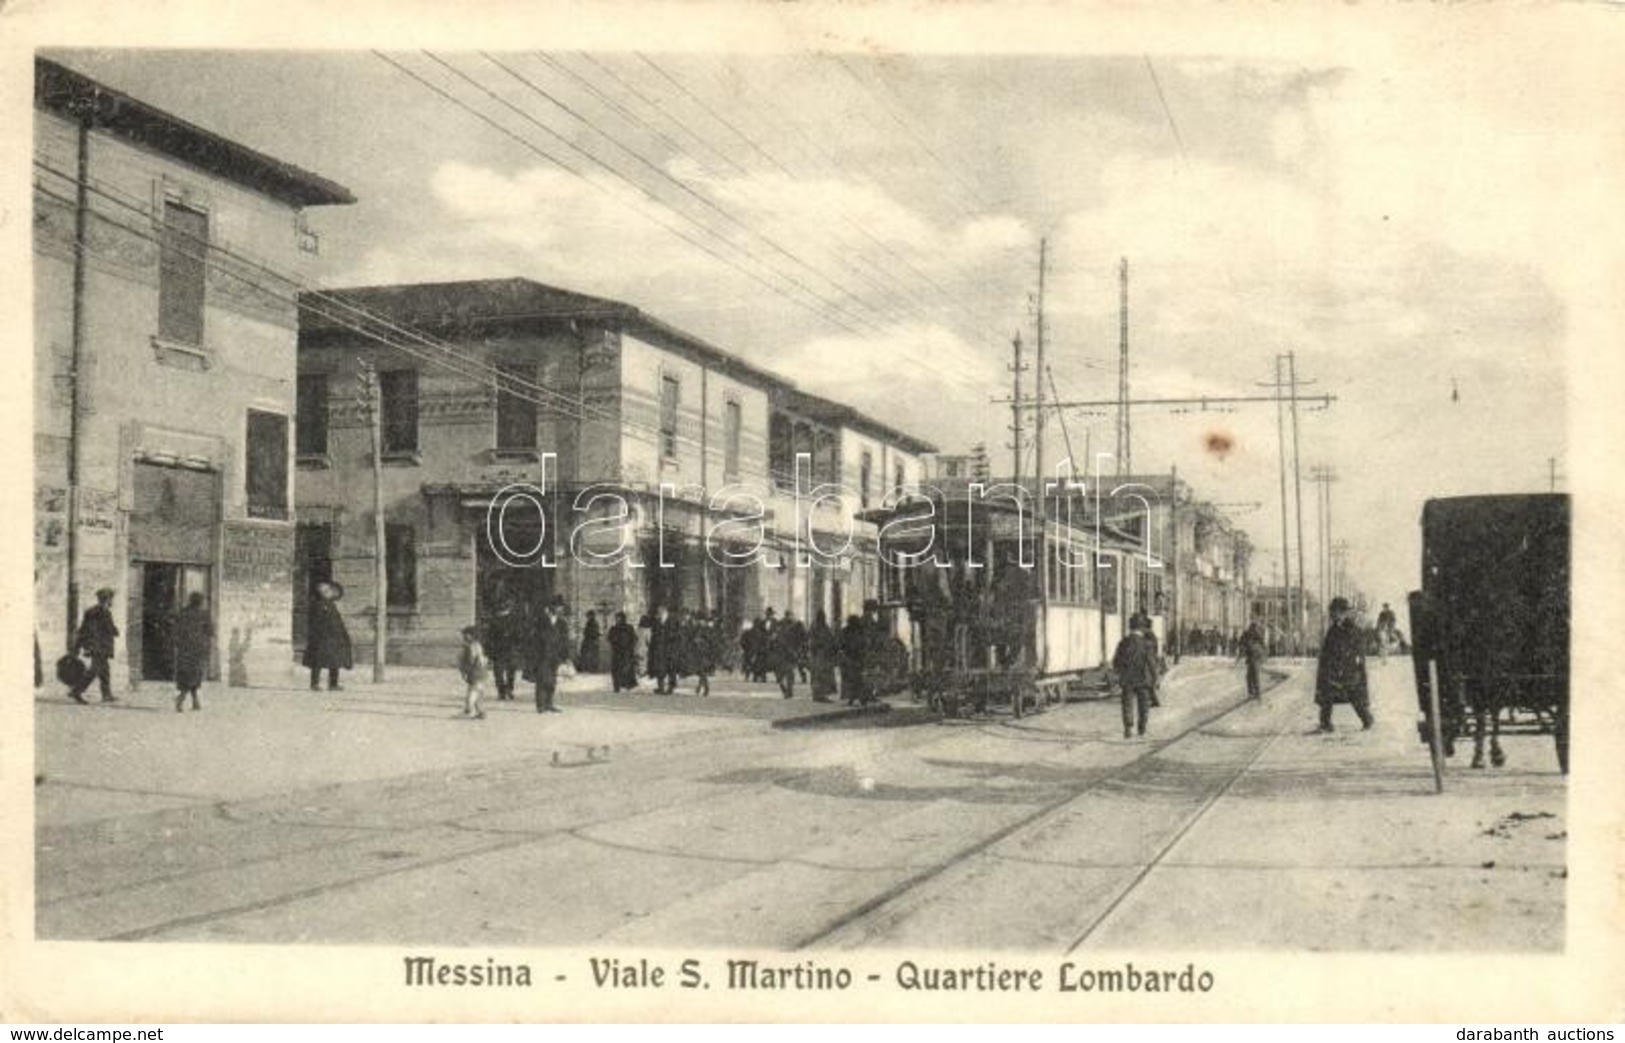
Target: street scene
[{"x": 805, "y": 501}]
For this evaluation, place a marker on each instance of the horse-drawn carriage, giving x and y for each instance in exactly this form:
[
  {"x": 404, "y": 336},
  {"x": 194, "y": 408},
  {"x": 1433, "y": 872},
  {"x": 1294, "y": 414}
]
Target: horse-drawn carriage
[{"x": 1490, "y": 626}]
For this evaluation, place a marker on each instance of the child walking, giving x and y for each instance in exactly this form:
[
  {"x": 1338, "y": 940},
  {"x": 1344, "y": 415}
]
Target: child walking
[{"x": 472, "y": 664}]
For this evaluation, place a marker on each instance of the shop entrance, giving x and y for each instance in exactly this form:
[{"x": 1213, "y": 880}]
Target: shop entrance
[{"x": 164, "y": 591}]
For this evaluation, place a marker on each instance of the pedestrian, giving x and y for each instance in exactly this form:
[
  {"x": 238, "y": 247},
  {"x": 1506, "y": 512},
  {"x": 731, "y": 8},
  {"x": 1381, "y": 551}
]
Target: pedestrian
[
  {"x": 587, "y": 661},
  {"x": 750, "y": 650},
  {"x": 96, "y": 638},
  {"x": 788, "y": 637},
  {"x": 1340, "y": 671},
  {"x": 1386, "y": 622},
  {"x": 327, "y": 642},
  {"x": 623, "y": 655},
  {"x": 1142, "y": 622},
  {"x": 665, "y": 644},
  {"x": 824, "y": 650},
  {"x": 854, "y": 651},
  {"x": 504, "y": 642},
  {"x": 1253, "y": 651},
  {"x": 705, "y": 647},
  {"x": 475, "y": 668},
  {"x": 1135, "y": 668},
  {"x": 192, "y": 633},
  {"x": 549, "y": 650}
]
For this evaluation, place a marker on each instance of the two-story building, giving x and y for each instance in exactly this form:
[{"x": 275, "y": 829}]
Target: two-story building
[
  {"x": 540, "y": 443},
  {"x": 165, "y": 334}
]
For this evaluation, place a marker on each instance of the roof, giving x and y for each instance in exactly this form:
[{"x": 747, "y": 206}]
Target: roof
[
  {"x": 453, "y": 307},
  {"x": 816, "y": 407},
  {"x": 76, "y": 96}
]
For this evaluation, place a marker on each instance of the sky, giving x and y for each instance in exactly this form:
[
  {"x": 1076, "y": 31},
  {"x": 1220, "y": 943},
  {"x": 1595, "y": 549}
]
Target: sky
[{"x": 869, "y": 225}]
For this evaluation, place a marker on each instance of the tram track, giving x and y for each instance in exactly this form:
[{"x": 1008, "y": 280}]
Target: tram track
[{"x": 877, "y": 908}]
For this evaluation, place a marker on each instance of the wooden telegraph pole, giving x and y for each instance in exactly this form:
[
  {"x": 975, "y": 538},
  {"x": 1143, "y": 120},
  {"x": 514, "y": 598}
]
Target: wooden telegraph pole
[{"x": 368, "y": 394}]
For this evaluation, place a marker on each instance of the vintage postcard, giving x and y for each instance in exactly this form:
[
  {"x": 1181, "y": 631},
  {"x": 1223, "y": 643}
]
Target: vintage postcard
[{"x": 898, "y": 512}]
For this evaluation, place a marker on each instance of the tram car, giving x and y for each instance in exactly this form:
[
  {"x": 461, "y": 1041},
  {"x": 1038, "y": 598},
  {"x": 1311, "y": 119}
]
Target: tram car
[
  {"x": 1491, "y": 621},
  {"x": 994, "y": 610}
]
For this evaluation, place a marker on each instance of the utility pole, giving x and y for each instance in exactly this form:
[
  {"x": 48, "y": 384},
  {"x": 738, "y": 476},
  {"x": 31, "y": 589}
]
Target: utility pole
[
  {"x": 1297, "y": 481},
  {"x": 1038, "y": 470},
  {"x": 1323, "y": 477},
  {"x": 1286, "y": 547},
  {"x": 367, "y": 393},
  {"x": 1124, "y": 439},
  {"x": 1017, "y": 426}
]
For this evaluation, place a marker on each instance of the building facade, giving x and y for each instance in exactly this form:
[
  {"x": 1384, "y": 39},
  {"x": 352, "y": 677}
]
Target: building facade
[
  {"x": 164, "y": 362},
  {"x": 538, "y": 443}
]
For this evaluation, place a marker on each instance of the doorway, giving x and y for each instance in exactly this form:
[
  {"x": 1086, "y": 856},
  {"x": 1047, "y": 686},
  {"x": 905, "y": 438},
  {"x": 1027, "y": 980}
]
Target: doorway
[{"x": 165, "y": 588}]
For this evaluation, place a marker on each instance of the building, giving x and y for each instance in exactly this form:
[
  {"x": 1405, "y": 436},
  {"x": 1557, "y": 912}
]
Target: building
[
  {"x": 1208, "y": 554},
  {"x": 541, "y": 443},
  {"x": 164, "y": 363}
]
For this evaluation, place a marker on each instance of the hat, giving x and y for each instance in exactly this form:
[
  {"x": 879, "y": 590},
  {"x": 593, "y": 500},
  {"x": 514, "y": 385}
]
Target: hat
[
  {"x": 1339, "y": 605},
  {"x": 104, "y": 593},
  {"x": 333, "y": 585}
]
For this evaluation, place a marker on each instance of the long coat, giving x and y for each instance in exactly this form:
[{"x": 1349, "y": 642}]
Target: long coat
[
  {"x": 665, "y": 643},
  {"x": 826, "y": 650},
  {"x": 1135, "y": 662},
  {"x": 327, "y": 641},
  {"x": 192, "y": 633},
  {"x": 588, "y": 662},
  {"x": 623, "y": 654},
  {"x": 1340, "y": 676},
  {"x": 549, "y": 649}
]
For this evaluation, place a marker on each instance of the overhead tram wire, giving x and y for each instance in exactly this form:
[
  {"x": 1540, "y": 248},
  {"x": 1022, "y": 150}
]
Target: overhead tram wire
[
  {"x": 558, "y": 402},
  {"x": 832, "y": 319},
  {"x": 686, "y": 189},
  {"x": 663, "y": 110},
  {"x": 984, "y": 324},
  {"x": 710, "y": 204},
  {"x": 703, "y": 247},
  {"x": 620, "y": 175}
]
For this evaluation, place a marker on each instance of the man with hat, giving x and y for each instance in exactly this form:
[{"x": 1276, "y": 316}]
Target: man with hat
[
  {"x": 1340, "y": 673},
  {"x": 95, "y": 639},
  {"x": 327, "y": 640},
  {"x": 549, "y": 649},
  {"x": 1135, "y": 666}
]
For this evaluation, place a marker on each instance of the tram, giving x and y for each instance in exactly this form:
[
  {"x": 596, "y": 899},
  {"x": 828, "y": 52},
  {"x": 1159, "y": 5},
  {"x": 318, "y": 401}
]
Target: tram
[{"x": 998, "y": 608}]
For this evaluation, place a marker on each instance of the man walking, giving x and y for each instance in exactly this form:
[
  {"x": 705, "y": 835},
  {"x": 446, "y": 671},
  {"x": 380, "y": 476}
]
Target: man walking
[
  {"x": 1340, "y": 673},
  {"x": 1253, "y": 652},
  {"x": 1135, "y": 665},
  {"x": 550, "y": 648},
  {"x": 96, "y": 638}
]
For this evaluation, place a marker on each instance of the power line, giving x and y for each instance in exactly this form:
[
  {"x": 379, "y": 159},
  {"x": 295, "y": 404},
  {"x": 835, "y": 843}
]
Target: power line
[{"x": 605, "y": 190}]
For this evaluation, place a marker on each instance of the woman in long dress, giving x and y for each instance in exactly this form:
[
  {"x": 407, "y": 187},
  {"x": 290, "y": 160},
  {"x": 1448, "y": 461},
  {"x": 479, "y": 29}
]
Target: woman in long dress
[{"x": 192, "y": 632}]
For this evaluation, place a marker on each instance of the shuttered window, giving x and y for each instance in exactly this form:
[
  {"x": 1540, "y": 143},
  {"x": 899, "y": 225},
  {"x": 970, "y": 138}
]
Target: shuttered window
[
  {"x": 312, "y": 414},
  {"x": 267, "y": 465},
  {"x": 399, "y": 391},
  {"x": 401, "y": 566},
  {"x": 516, "y": 406},
  {"x": 181, "y": 252}
]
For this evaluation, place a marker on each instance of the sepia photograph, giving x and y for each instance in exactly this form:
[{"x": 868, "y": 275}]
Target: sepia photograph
[{"x": 554, "y": 525}]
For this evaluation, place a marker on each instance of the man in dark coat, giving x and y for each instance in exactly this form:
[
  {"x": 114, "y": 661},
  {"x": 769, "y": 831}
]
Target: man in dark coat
[
  {"x": 1135, "y": 666},
  {"x": 549, "y": 649},
  {"x": 789, "y": 641},
  {"x": 192, "y": 632},
  {"x": 665, "y": 651},
  {"x": 1340, "y": 673},
  {"x": 96, "y": 638},
  {"x": 854, "y": 657},
  {"x": 1253, "y": 651},
  {"x": 504, "y": 640},
  {"x": 825, "y": 649},
  {"x": 327, "y": 642},
  {"x": 623, "y": 655}
]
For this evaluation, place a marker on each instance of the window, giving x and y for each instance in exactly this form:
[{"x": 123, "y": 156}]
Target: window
[
  {"x": 779, "y": 450},
  {"x": 401, "y": 566},
  {"x": 399, "y": 390},
  {"x": 267, "y": 470},
  {"x": 516, "y": 408},
  {"x": 670, "y": 391},
  {"x": 865, "y": 472},
  {"x": 826, "y": 460},
  {"x": 181, "y": 252},
  {"x": 311, "y": 430},
  {"x": 732, "y": 422}
]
